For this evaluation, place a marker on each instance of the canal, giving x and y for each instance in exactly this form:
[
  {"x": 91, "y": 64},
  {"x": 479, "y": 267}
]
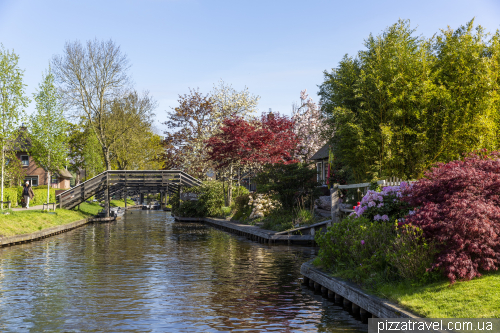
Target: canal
[{"x": 147, "y": 273}]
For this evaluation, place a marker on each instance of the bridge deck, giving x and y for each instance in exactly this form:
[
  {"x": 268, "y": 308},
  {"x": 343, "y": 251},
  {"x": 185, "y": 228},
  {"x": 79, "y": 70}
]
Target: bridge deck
[{"x": 128, "y": 182}]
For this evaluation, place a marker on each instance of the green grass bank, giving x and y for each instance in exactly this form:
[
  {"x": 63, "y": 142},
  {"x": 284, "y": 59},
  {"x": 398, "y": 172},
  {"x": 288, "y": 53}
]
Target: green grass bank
[{"x": 27, "y": 221}]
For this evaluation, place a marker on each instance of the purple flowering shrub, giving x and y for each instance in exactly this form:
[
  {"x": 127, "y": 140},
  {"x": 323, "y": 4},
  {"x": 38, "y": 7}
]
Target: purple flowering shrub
[
  {"x": 458, "y": 207},
  {"x": 357, "y": 248},
  {"x": 385, "y": 205}
]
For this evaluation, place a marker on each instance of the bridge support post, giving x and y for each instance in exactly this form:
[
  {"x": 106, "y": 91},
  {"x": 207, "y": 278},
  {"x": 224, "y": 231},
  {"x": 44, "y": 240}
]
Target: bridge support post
[
  {"x": 161, "y": 200},
  {"x": 141, "y": 198},
  {"x": 106, "y": 196},
  {"x": 125, "y": 197}
]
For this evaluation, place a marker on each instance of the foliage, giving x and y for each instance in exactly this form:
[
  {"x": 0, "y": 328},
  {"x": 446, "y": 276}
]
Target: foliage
[
  {"x": 93, "y": 81},
  {"x": 14, "y": 170},
  {"x": 93, "y": 162},
  {"x": 406, "y": 102},
  {"x": 198, "y": 118},
  {"x": 262, "y": 204},
  {"x": 385, "y": 205},
  {"x": 252, "y": 143},
  {"x": 411, "y": 254},
  {"x": 133, "y": 144},
  {"x": 11, "y": 194},
  {"x": 41, "y": 196},
  {"x": 242, "y": 208},
  {"x": 209, "y": 203},
  {"x": 48, "y": 129},
  {"x": 189, "y": 124},
  {"x": 307, "y": 121},
  {"x": 12, "y": 99},
  {"x": 357, "y": 247},
  {"x": 294, "y": 183},
  {"x": 458, "y": 207}
]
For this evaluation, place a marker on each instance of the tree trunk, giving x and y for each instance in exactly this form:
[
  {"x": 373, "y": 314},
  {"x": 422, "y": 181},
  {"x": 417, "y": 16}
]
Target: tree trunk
[
  {"x": 105, "y": 152},
  {"x": 3, "y": 164},
  {"x": 48, "y": 183},
  {"x": 230, "y": 186},
  {"x": 48, "y": 188}
]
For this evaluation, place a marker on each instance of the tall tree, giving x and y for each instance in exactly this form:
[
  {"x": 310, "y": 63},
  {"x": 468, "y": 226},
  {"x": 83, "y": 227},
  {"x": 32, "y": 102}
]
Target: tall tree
[
  {"x": 12, "y": 100},
  {"x": 92, "y": 77},
  {"x": 189, "y": 125},
  {"x": 48, "y": 129},
  {"x": 199, "y": 117},
  {"x": 406, "y": 102},
  {"x": 307, "y": 120},
  {"x": 252, "y": 143}
]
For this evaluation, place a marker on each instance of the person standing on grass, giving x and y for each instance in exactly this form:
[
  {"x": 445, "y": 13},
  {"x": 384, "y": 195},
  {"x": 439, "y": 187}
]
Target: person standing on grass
[{"x": 28, "y": 194}]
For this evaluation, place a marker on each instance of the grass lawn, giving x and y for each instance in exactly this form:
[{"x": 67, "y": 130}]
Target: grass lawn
[
  {"x": 23, "y": 222},
  {"x": 91, "y": 209},
  {"x": 121, "y": 203},
  {"x": 478, "y": 298}
]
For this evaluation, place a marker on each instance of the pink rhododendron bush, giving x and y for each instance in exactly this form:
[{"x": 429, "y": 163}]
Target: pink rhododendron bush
[{"x": 459, "y": 208}]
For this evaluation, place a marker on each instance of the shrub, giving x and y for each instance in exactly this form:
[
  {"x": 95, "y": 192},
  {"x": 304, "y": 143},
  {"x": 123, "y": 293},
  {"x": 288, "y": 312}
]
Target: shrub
[
  {"x": 210, "y": 200},
  {"x": 356, "y": 246},
  {"x": 385, "y": 205},
  {"x": 243, "y": 209},
  {"x": 295, "y": 182},
  {"x": 10, "y": 194},
  {"x": 458, "y": 207},
  {"x": 410, "y": 254}
]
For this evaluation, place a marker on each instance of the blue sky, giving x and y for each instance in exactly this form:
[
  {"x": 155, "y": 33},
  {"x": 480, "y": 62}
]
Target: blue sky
[{"x": 275, "y": 48}]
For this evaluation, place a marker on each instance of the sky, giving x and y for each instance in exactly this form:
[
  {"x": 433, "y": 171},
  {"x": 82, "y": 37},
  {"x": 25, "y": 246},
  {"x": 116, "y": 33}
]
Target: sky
[{"x": 274, "y": 48}]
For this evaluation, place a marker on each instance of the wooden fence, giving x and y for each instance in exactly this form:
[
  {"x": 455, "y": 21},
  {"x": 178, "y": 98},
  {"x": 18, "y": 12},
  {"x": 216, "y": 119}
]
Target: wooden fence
[{"x": 337, "y": 210}]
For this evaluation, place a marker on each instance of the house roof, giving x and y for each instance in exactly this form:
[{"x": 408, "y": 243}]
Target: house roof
[
  {"x": 322, "y": 153},
  {"x": 64, "y": 173}
]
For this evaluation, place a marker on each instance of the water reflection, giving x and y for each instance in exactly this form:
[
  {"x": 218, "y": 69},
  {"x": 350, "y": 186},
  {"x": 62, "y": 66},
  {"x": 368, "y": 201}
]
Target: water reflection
[{"x": 147, "y": 273}]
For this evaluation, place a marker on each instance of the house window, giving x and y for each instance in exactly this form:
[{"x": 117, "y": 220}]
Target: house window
[
  {"x": 54, "y": 179},
  {"x": 33, "y": 180},
  {"x": 319, "y": 169},
  {"x": 25, "y": 160}
]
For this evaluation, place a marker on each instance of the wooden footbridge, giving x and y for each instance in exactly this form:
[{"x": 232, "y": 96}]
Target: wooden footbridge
[{"x": 123, "y": 183}]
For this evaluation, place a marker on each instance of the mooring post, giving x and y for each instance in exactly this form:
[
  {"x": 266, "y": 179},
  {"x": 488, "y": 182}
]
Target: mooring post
[
  {"x": 106, "y": 196},
  {"x": 125, "y": 198},
  {"x": 141, "y": 196},
  {"x": 161, "y": 200}
]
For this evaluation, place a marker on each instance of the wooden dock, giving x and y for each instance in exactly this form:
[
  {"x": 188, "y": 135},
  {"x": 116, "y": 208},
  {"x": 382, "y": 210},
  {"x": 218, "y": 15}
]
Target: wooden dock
[{"x": 303, "y": 235}]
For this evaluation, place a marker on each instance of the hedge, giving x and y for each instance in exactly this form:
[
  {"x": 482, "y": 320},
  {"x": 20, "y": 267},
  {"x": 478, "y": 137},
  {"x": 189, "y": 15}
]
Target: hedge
[
  {"x": 40, "y": 195},
  {"x": 10, "y": 194}
]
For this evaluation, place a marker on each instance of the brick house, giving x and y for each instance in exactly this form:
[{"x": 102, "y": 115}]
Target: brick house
[{"x": 34, "y": 174}]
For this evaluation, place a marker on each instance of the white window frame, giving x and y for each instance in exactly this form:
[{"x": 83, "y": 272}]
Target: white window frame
[
  {"x": 319, "y": 170},
  {"x": 22, "y": 160},
  {"x": 30, "y": 179}
]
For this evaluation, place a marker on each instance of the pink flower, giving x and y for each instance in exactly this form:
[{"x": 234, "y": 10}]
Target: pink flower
[
  {"x": 362, "y": 242},
  {"x": 385, "y": 218}
]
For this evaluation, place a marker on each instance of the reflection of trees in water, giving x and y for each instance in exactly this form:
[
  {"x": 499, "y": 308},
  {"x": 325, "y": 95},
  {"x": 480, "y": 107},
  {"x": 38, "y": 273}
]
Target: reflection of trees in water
[{"x": 251, "y": 284}]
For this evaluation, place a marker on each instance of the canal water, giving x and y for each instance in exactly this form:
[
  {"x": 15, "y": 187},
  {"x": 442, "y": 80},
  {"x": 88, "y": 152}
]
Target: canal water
[{"x": 148, "y": 273}]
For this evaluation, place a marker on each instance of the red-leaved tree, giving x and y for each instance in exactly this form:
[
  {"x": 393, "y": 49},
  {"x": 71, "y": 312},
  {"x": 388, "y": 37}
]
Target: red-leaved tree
[
  {"x": 243, "y": 143},
  {"x": 459, "y": 207}
]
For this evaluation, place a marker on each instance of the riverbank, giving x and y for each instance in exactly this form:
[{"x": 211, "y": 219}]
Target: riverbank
[
  {"x": 23, "y": 222},
  {"x": 26, "y": 225},
  {"x": 478, "y": 298}
]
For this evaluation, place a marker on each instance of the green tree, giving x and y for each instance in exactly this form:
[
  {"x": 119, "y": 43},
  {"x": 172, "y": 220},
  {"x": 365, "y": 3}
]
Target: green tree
[
  {"x": 407, "y": 102},
  {"x": 48, "y": 129},
  {"x": 93, "y": 162},
  {"x": 12, "y": 99}
]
